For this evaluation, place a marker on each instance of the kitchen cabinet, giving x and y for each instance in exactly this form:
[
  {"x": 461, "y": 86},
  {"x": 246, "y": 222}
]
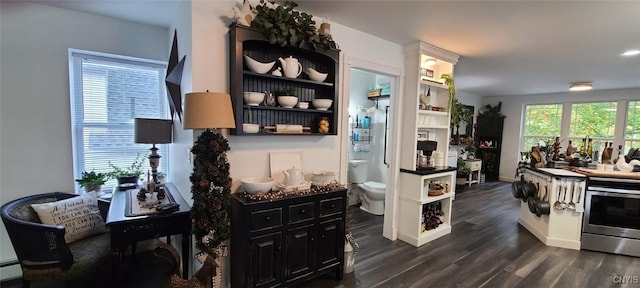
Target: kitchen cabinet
[
  {"x": 488, "y": 139},
  {"x": 414, "y": 201},
  {"x": 425, "y": 116},
  {"x": 283, "y": 242},
  {"x": 247, "y": 41}
]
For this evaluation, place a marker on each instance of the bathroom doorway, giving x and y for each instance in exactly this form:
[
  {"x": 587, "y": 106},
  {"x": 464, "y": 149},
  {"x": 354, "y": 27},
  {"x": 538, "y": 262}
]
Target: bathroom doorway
[{"x": 370, "y": 139}]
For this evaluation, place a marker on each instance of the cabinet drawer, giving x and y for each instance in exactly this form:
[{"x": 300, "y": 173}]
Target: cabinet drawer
[
  {"x": 301, "y": 212},
  {"x": 331, "y": 206},
  {"x": 474, "y": 165},
  {"x": 266, "y": 219}
]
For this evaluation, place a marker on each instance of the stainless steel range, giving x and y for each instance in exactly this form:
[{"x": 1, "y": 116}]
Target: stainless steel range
[{"x": 612, "y": 216}]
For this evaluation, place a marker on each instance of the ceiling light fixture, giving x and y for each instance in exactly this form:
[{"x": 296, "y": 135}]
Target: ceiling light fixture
[
  {"x": 581, "y": 86},
  {"x": 629, "y": 53},
  {"x": 429, "y": 62}
]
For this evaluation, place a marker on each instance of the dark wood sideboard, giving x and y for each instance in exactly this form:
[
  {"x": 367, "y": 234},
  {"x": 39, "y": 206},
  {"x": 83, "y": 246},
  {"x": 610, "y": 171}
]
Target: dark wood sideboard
[{"x": 283, "y": 242}]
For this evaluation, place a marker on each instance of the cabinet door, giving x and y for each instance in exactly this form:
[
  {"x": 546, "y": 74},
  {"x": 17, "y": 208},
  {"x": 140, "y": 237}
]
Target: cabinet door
[
  {"x": 266, "y": 260},
  {"x": 300, "y": 247},
  {"x": 331, "y": 241}
]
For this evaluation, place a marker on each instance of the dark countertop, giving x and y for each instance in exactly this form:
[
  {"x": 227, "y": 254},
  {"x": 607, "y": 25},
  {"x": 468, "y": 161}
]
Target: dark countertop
[{"x": 438, "y": 169}]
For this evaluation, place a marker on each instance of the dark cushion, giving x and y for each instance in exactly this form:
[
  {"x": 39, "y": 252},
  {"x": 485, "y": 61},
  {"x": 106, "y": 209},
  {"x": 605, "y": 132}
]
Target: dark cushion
[{"x": 88, "y": 254}]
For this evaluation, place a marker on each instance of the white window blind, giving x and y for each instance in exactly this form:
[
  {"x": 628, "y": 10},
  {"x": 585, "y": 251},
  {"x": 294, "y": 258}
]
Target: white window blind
[{"x": 107, "y": 93}]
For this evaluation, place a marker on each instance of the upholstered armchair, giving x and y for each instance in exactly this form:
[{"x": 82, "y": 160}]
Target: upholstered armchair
[{"x": 41, "y": 249}]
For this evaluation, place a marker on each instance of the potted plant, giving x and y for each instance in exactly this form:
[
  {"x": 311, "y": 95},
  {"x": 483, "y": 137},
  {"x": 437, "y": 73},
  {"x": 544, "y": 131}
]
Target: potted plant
[
  {"x": 470, "y": 150},
  {"x": 287, "y": 91},
  {"x": 128, "y": 174},
  {"x": 463, "y": 172},
  {"x": 283, "y": 26},
  {"x": 92, "y": 181}
]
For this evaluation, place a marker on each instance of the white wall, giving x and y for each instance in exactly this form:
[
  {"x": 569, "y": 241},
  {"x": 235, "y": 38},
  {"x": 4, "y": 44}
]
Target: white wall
[
  {"x": 513, "y": 106},
  {"x": 35, "y": 121}
]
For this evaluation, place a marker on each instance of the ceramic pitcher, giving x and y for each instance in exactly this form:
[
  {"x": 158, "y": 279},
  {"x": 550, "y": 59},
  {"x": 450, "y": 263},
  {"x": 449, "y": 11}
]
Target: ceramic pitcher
[
  {"x": 291, "y": 67},
  {"x": 293, "y": 176}
]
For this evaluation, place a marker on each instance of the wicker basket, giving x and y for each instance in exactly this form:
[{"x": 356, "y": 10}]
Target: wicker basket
[{"x": 436, "y": 192}]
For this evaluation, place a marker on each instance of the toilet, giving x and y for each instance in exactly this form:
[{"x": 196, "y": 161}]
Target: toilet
[{"x": 371, "y": 194}]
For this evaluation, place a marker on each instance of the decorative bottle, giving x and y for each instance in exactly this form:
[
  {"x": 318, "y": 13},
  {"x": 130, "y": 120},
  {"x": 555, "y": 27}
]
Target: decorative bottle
[
  {"x": 615, "y": 160},
  {"x": 570, "y": 149},
  {"x": 590, "y": 148}
]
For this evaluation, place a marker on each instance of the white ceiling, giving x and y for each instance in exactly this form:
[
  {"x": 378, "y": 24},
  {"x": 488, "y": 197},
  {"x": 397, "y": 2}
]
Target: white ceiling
[{"x": 507, "y": 47}]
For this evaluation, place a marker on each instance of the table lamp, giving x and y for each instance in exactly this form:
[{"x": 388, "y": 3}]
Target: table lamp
[
  {"x": 210, "y": 179},
  {"x": 153, "y": 131}
]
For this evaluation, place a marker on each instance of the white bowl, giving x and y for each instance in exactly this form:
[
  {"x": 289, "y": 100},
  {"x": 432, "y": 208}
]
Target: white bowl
[
  {"x": 250, "y": 128},
  {"x": 303, "y": 105},
  {"x": 315, "y": 75},
  {"x": 258, "y": 67},
  {"x": 255, "y": 184},
  {"x": 321, "y": 104},
  {"x": 287, "y": 101},
  {"x": 321, "y": 178},
  {"x": 253, "y": 98}
]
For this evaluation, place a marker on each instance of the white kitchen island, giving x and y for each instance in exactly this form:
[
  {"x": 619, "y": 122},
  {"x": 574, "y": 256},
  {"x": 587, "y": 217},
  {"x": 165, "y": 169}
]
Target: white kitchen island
[{"x": 562, "y": 227}]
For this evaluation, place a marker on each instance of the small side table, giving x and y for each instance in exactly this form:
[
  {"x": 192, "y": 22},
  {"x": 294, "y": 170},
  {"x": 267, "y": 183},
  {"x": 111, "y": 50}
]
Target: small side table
[
  {"x": 127, "y": 231},
  {"x": 475, "y": 165}
]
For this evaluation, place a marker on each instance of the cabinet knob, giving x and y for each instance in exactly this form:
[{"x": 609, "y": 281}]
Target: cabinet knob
[
  {"x": 303, "y": 211},
  {"x": 332, "y": 206},
  {"x": 268, "y": 218}
]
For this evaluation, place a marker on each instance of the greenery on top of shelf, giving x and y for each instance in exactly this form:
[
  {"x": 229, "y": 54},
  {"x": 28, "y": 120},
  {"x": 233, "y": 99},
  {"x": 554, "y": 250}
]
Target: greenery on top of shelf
[
  {"x": 284, "y": 26},
  {"x": 489, "y": 111}
]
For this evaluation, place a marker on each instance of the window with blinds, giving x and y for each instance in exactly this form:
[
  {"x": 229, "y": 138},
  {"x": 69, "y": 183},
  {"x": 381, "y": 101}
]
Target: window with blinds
[{"x": 107, "y": 93}]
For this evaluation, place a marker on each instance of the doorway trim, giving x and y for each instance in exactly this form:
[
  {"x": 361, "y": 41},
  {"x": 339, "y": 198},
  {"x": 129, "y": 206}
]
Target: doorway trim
[{"x": 390, "y": 229}]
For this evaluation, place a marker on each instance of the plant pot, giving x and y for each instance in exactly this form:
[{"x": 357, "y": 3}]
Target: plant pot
[
  {"x": 129, "y": 179},
  {"x": 97, "y": 188},
  {"x": 461, "y": 179}
]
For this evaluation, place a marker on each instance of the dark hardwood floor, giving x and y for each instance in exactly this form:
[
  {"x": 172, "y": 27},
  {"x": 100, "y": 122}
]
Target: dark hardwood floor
[{"x": 487, "y": 248}]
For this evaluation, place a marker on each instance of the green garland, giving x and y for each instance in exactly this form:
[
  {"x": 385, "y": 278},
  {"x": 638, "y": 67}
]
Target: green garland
[{"x": 211, "y": 188}]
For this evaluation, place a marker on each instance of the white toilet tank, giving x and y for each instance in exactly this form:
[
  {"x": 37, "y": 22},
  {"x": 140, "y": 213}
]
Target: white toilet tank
[{"x": 357, "y": 171}]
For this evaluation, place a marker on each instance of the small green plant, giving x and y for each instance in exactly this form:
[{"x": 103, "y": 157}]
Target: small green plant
[
  {"x": 470, "y": 149},
  {"x": 135, "y": 169},
  {"x": 92, "y": 179},
  {"x": 463, "y": 168},
  {"x": 287, "y": 91},
  {"x": 453, "y": 101}
]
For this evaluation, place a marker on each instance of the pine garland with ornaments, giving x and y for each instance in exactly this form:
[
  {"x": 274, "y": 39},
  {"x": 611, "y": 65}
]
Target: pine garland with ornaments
[{"x": 211, "y": 189}]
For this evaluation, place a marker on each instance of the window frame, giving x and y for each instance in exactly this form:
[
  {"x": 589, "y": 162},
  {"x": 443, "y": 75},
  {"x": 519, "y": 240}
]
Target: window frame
[{"x": 76, "y": 110}]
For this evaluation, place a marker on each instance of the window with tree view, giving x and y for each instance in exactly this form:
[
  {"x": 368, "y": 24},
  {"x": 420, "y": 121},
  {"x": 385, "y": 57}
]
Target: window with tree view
[
  {"x": 542, "y": 122},
  {"x": 632, "y": 128},
  {"x": 107, "y": 93},
  {"x": 594, "y": 120}
]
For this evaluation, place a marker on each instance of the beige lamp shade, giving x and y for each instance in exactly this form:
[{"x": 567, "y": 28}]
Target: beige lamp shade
[
  {"x": 204, "y": 110},
  {"x": 152, "y": 131}
]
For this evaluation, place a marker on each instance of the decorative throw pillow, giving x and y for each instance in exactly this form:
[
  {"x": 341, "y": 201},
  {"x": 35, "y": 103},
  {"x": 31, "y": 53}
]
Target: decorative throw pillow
[{"x": 79, "y": 215}]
